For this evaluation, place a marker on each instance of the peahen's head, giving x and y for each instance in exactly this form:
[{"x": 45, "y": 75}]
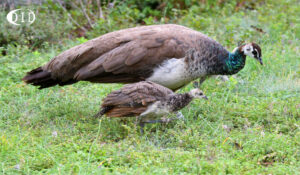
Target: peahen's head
[{"x": 253, "y": 50}]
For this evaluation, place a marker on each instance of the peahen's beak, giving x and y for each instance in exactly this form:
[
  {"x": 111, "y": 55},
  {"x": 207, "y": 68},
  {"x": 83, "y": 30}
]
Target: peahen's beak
[{"x": 260, "y": 60}]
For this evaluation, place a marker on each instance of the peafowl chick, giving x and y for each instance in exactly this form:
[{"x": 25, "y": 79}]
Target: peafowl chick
[{"x": 148, "y": 101}]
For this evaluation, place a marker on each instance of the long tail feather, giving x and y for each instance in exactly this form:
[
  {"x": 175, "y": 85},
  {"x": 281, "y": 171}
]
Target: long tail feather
[{"x": 43, "y": 79}]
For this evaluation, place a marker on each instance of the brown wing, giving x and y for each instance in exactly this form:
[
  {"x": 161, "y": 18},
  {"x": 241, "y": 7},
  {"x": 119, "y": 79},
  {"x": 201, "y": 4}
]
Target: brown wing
[
  {"x": 133, "y": 99},
  {"x": 124, "y": 56}
]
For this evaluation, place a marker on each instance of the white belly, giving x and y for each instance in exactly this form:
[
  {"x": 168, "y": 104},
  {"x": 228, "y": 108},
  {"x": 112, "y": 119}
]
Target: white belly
[{"x": 172, "y": 74}]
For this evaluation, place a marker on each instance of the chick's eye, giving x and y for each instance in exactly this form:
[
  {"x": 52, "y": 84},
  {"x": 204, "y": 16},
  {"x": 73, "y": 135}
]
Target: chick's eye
[
  {"x": 201, "y": 93},
  {"x": 254, "y": 52}
]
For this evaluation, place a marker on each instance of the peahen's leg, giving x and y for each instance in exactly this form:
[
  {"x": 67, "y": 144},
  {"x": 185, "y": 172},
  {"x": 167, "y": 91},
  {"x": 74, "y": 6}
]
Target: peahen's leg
[
  {"x": 142, "y": 125},
  {"x": 198, "y": 83}
]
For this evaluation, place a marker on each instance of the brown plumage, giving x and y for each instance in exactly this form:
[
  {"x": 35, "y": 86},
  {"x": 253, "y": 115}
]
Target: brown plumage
[
  {"x": 147, "y": 100},
  {"x": 124, "y": 56},
  {"x": 133, "y": 99},
  {"x": 151, "y": 53}
]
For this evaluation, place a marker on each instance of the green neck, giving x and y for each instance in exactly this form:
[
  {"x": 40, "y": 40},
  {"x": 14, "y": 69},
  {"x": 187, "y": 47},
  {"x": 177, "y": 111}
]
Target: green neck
[{"x": 234, "y": 63}]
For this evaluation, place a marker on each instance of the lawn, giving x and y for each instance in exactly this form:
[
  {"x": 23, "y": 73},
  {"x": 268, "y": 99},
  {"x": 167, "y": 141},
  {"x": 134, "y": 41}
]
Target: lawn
[{"x": 249, "y": 125}]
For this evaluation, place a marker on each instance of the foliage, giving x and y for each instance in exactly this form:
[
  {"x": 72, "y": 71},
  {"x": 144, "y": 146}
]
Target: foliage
[
  {"x": 250, "y": 125},
  {"x": 48, "y": 27}
]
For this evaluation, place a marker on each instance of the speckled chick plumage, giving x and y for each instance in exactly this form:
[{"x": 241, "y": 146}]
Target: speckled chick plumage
[{"x": 146, "y": 99}]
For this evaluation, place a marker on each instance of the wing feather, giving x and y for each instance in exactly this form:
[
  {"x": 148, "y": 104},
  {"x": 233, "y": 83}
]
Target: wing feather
[
  {"x": 133, "y": 99},
  {"x": 137, "y": 94},
  {"x": 127, "y": 55}
]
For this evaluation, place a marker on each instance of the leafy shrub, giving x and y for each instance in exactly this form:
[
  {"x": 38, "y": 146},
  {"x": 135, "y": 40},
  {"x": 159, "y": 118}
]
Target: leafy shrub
[
  {"x": 55, "y": 21},
  {"x": 50, "y": 26}
]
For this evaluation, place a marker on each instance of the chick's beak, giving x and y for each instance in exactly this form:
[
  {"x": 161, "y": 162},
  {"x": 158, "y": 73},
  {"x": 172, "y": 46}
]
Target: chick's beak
[
  {"x": 260, "y": 61},
  {"x": 204, "y": 97}
]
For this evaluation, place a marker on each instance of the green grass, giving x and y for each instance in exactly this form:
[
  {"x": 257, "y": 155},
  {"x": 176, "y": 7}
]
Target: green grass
[{"x": 250, "y": 125}]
